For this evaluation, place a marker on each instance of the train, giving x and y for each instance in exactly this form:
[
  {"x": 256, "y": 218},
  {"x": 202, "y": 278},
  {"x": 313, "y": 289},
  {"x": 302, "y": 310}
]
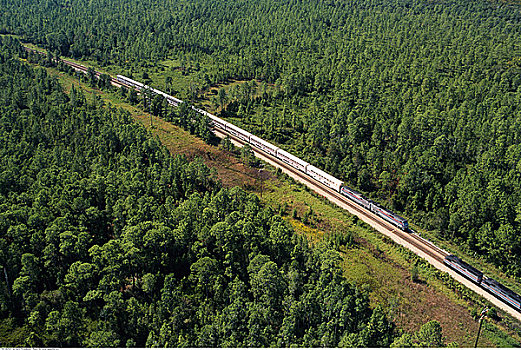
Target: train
[
  {"x": 495, "y": 288},
  {"x": 286, "y": 157},
  {"x": 492, "y": 286},
  {"x": 140, "y": 86},
  {"x": 310, "y": 170}
]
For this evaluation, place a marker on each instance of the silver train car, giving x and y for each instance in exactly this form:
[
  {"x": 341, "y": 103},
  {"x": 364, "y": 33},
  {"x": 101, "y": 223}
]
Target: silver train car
[
  {"x": 139, "y": 86},
  {"x": 286, "y": 157},
  {"x": 389, "y": 216},
  {"x": 501, "y": 292},
  {"x": 463, "y": 268},
  {"x": 490, "y": 285}
]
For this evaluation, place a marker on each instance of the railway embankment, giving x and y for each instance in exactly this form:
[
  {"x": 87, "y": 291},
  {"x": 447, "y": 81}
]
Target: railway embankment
[{"x": 370, "y": 250}]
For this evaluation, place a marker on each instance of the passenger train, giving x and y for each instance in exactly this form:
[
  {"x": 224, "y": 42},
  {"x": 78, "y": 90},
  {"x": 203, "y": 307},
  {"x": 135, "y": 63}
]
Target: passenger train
[
  {"x": 288, "y": 158},
  {"x": 492, "y": 286},
  {"x": 139, "y": 86},
  {"x": 455, "y": 263}
]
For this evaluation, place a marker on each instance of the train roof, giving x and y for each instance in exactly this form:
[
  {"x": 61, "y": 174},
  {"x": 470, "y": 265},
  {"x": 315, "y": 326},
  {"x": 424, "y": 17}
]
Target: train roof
[
  {"x": 324, "y": 174},
  {"x": 131, "y": 80},
  {"x": 202, "y": 111},
  {"x": 258, "y": 139},
  {"x": 159, "y": 92},
  {"x": 217, "y": 119},
  {"x": 236, "y": 128},
  {"x": 464, "y": 264},
  {"x": 199, "y": 110},
  {"x": 395, "y": 216},
  {"x": 488, "y": 280},
  {"x": 355, "y": 192},
  {"x": 292, "y": 157}
]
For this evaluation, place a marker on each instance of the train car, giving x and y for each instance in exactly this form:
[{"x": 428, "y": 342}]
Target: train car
[
  {"x": 217, "y": 122},
  {"x": 290, "y": 159},
  {"x": 209, "y": 115},
  {"x": 325, "y": 178},
  {"x": 171, "y": 99},
  {"x": 501, "y": 292},
  {"x": 263, "y": 145},
  {"x": 136, "y": 84},
  {"x": 463, "y": 268},
  {"x": 123, "y": 79},
  {"x": 238, "y": 132},
  {"x": 202, "y": 111},
  {"x": 355, "y": 196},
  {"x": 388, "y": 216}
]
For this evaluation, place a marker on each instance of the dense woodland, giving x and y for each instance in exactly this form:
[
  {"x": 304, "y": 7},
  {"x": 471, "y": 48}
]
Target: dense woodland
[
  {"x": 106, "y": 240},
  {"x": 415, "y": 102}
]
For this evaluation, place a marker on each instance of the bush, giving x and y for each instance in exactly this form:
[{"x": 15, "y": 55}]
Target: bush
[{"x": 414, "y": 273}]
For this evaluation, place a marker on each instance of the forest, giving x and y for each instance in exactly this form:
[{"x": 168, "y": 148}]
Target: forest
[
  {"x": 106, "y": 240},
  {"x": 416, "y": 103}
]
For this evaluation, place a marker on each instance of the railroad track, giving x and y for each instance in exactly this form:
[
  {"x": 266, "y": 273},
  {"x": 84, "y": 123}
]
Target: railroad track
[
  {"x": 80, "y": 68},
  {"x": 412, "y": 238}
]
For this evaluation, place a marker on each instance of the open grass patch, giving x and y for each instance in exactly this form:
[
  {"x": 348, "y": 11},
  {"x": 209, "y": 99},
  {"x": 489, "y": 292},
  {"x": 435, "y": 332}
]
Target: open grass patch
[{"x": 497, "y": 336}]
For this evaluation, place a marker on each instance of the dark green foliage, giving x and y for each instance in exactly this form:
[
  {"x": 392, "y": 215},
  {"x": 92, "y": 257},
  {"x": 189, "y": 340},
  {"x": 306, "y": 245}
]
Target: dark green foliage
[
  {"x": 247, "y": 156},
  {"x": 185, "y": 117},
  {"x": 415, "y": 102},
  {"x": 414, "y": 273},
  {"x": 107, "y": 241},
  {"x": 340, "y": 240},
  {"x": 227, "y": 145},
  {"x": 428, "y": 336},
  {"x": 492, "y": 313}
]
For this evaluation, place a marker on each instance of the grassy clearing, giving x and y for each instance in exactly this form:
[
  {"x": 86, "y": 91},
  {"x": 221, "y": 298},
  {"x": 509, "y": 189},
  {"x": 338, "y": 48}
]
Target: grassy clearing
[
  {"x": 315, "y": 235},
  {"x": 497, "y": 336},
  {"x": 374, "y": 262}
]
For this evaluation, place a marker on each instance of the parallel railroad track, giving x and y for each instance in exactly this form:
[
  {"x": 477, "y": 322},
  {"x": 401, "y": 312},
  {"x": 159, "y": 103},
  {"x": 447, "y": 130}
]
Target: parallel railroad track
[{"x": 414, "y": 239}]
